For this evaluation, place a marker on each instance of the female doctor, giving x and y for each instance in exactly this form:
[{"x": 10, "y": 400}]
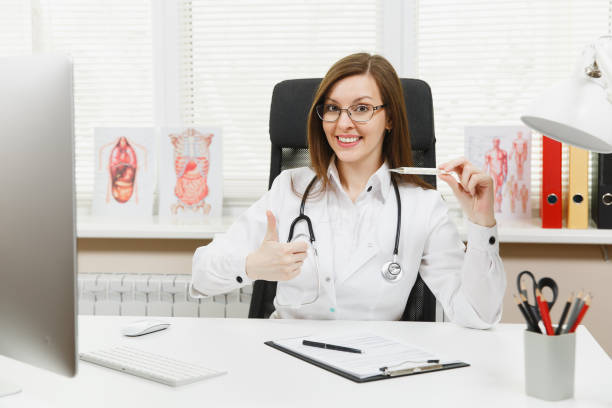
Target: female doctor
[{"x": 361, "y": 234}]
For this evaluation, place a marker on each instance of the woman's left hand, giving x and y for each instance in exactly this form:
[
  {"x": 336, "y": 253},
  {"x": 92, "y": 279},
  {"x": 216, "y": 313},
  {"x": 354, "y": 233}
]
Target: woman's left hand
[{"x": 475, "y": 192}]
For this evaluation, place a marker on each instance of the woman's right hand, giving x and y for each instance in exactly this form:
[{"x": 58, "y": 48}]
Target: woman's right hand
[{"x": 276, "y": 261}]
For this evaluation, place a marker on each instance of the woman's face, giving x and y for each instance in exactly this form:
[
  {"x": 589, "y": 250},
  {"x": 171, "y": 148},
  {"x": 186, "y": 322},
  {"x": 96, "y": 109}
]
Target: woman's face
[{"x": 356, "y": 141}]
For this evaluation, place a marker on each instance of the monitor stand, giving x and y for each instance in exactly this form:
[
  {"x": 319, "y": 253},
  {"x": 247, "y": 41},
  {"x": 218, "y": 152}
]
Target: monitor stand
[{"x": 6, "y": 388}]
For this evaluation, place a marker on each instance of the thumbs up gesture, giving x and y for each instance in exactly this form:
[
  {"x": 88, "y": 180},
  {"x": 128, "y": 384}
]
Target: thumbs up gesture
[
  {"x": 271, "y": 232},
  {"x": 274, "y": 260}
]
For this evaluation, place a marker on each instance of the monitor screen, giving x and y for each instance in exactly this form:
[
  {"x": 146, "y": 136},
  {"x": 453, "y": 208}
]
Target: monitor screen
[{"x": 37, "y": 214}]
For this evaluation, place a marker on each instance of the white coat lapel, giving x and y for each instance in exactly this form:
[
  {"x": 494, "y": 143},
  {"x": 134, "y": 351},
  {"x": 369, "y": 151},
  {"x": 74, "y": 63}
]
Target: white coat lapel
[{"x": 362, "y": 255}]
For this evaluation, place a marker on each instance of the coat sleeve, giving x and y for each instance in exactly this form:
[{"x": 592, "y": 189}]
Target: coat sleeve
[
  {"x": 219, "y": 267},
  {"x": 469, "y": 283}
]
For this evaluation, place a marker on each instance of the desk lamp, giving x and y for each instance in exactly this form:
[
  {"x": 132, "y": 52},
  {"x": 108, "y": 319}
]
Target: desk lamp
[{"x": 578, "y": 110}]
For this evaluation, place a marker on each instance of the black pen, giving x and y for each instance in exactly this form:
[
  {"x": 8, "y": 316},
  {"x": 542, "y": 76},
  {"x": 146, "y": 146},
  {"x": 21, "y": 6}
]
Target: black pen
[
  {"x": 531, "y": 314},
  {"x": 530, "y": 324},
  {"x": 330, "y": 346},
  {"x": 564, "y": 315}
]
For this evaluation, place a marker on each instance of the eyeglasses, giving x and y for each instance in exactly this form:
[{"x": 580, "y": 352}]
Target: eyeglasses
[{"x": 358, "y": 113}]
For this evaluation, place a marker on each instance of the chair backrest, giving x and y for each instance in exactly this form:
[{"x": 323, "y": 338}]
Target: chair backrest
[{"x": 291, "y": 102}]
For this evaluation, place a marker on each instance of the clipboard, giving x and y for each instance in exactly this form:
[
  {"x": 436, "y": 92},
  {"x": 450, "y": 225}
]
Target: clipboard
[{"x": 386, "y": 374}]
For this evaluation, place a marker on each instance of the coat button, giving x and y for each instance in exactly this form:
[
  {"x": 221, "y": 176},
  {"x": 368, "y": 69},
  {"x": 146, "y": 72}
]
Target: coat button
[
  {"x": 239, "y": 279},
  {"x": 327, "y": 279},
  {"x": 492, "y": 240}
]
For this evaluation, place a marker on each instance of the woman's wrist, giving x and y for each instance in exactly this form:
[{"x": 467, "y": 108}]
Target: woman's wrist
[{"x": 486, "y": 222}]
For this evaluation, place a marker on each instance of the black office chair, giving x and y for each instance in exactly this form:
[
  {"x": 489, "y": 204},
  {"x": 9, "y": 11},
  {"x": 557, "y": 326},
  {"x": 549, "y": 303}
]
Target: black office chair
[{"x": 291, "y": 102}]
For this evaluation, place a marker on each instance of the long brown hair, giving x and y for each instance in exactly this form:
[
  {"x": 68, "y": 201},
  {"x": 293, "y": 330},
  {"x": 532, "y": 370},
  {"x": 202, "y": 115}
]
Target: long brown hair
[{"x": 396, "y": 144}]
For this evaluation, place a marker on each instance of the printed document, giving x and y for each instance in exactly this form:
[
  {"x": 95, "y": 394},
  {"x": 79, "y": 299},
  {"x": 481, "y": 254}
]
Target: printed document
[{"x": 378, "y": 352}]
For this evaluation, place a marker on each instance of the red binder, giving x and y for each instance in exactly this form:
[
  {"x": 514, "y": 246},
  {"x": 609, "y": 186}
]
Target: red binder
[{"x": 551, "y": 202}]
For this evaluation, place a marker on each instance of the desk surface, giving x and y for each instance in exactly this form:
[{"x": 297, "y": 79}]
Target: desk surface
[{"x": 262, "y": 376}]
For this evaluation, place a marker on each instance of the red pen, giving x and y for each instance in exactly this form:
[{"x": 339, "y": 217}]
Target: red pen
[
  {"x": 544, "y": 313},
  {"x": 585, "y": 307}
]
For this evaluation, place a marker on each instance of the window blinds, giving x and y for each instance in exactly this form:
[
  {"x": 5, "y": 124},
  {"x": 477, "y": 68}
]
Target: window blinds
[
  {"x": 110, "y": 43},
  {"x": 231, "y": 55},
  {"x": 15, "y": 28},
  {"x": 486, "y": 61},
  {"x": 234, "y": 52}
]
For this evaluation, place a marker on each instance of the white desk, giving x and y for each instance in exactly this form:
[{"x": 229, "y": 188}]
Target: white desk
[{"x": 262, "y": 376}]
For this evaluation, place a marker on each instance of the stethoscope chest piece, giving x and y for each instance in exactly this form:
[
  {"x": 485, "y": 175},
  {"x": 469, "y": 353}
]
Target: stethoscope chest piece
[{"x": 392, "y": 271}]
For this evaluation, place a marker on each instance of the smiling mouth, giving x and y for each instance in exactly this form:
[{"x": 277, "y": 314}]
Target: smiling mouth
[{"x": 351, "y": 139}]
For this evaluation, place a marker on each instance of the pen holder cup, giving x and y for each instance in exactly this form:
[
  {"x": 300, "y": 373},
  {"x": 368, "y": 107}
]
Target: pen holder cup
[{"x": 549, "y": 365}]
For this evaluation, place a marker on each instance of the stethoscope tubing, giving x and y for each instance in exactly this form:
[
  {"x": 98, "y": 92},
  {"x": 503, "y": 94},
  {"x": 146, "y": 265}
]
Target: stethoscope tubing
[
  {"x": 303, "y": 216},
  {"x": 387, "y": 270}
]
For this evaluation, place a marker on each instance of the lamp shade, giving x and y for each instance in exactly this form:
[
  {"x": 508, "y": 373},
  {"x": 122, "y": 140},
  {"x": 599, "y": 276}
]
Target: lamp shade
[{"x": 578, "y": 110}]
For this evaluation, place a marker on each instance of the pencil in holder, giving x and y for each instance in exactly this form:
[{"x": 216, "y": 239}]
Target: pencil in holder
[{"x": 549, "y": 365}]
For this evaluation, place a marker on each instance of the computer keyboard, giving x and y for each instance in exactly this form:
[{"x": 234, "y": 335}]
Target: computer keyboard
[{"x": 151, "y": 366}]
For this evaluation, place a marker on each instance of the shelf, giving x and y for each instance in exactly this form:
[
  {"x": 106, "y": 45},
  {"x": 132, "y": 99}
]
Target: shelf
[
  {"x": 101, "y": 227},
  {"x": 528, "y": 231}
]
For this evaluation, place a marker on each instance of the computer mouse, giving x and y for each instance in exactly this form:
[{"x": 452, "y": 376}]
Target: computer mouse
[{"x": 142, "y": 327}]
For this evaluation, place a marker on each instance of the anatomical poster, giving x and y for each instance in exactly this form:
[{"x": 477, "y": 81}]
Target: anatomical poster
[
  {"x": 190, "y": 173},
  {"x": 124, "y": 172},
  {"x": 504, "y": 152}
]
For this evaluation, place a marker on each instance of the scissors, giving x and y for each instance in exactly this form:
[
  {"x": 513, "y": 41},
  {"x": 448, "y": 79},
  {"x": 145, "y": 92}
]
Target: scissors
[{"x": 536, "y": 284}]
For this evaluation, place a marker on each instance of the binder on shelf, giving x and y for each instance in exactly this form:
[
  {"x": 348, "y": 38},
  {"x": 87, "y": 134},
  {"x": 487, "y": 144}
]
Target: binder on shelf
[
  {"x": 551, "y": 210},
  {"x": 578, "y": 202},
  {"x": 372, "y": 357},
  {"x": 601, "y": 199}
]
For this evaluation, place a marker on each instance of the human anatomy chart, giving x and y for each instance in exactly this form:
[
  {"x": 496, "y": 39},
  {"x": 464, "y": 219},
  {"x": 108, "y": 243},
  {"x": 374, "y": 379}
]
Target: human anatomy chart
[
  {"x": 190, "y": 173},
  {"x": 504, "y": 152},
  {"x": 124, "y": 172}
]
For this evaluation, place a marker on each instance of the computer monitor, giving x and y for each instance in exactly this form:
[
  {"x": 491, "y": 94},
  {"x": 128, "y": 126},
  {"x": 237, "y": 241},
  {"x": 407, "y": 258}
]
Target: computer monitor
[{"x": 38, "y": 322}]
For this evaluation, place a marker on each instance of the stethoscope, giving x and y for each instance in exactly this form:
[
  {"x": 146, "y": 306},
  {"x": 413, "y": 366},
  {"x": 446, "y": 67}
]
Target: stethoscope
[{"x": 392, "y": 270}]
